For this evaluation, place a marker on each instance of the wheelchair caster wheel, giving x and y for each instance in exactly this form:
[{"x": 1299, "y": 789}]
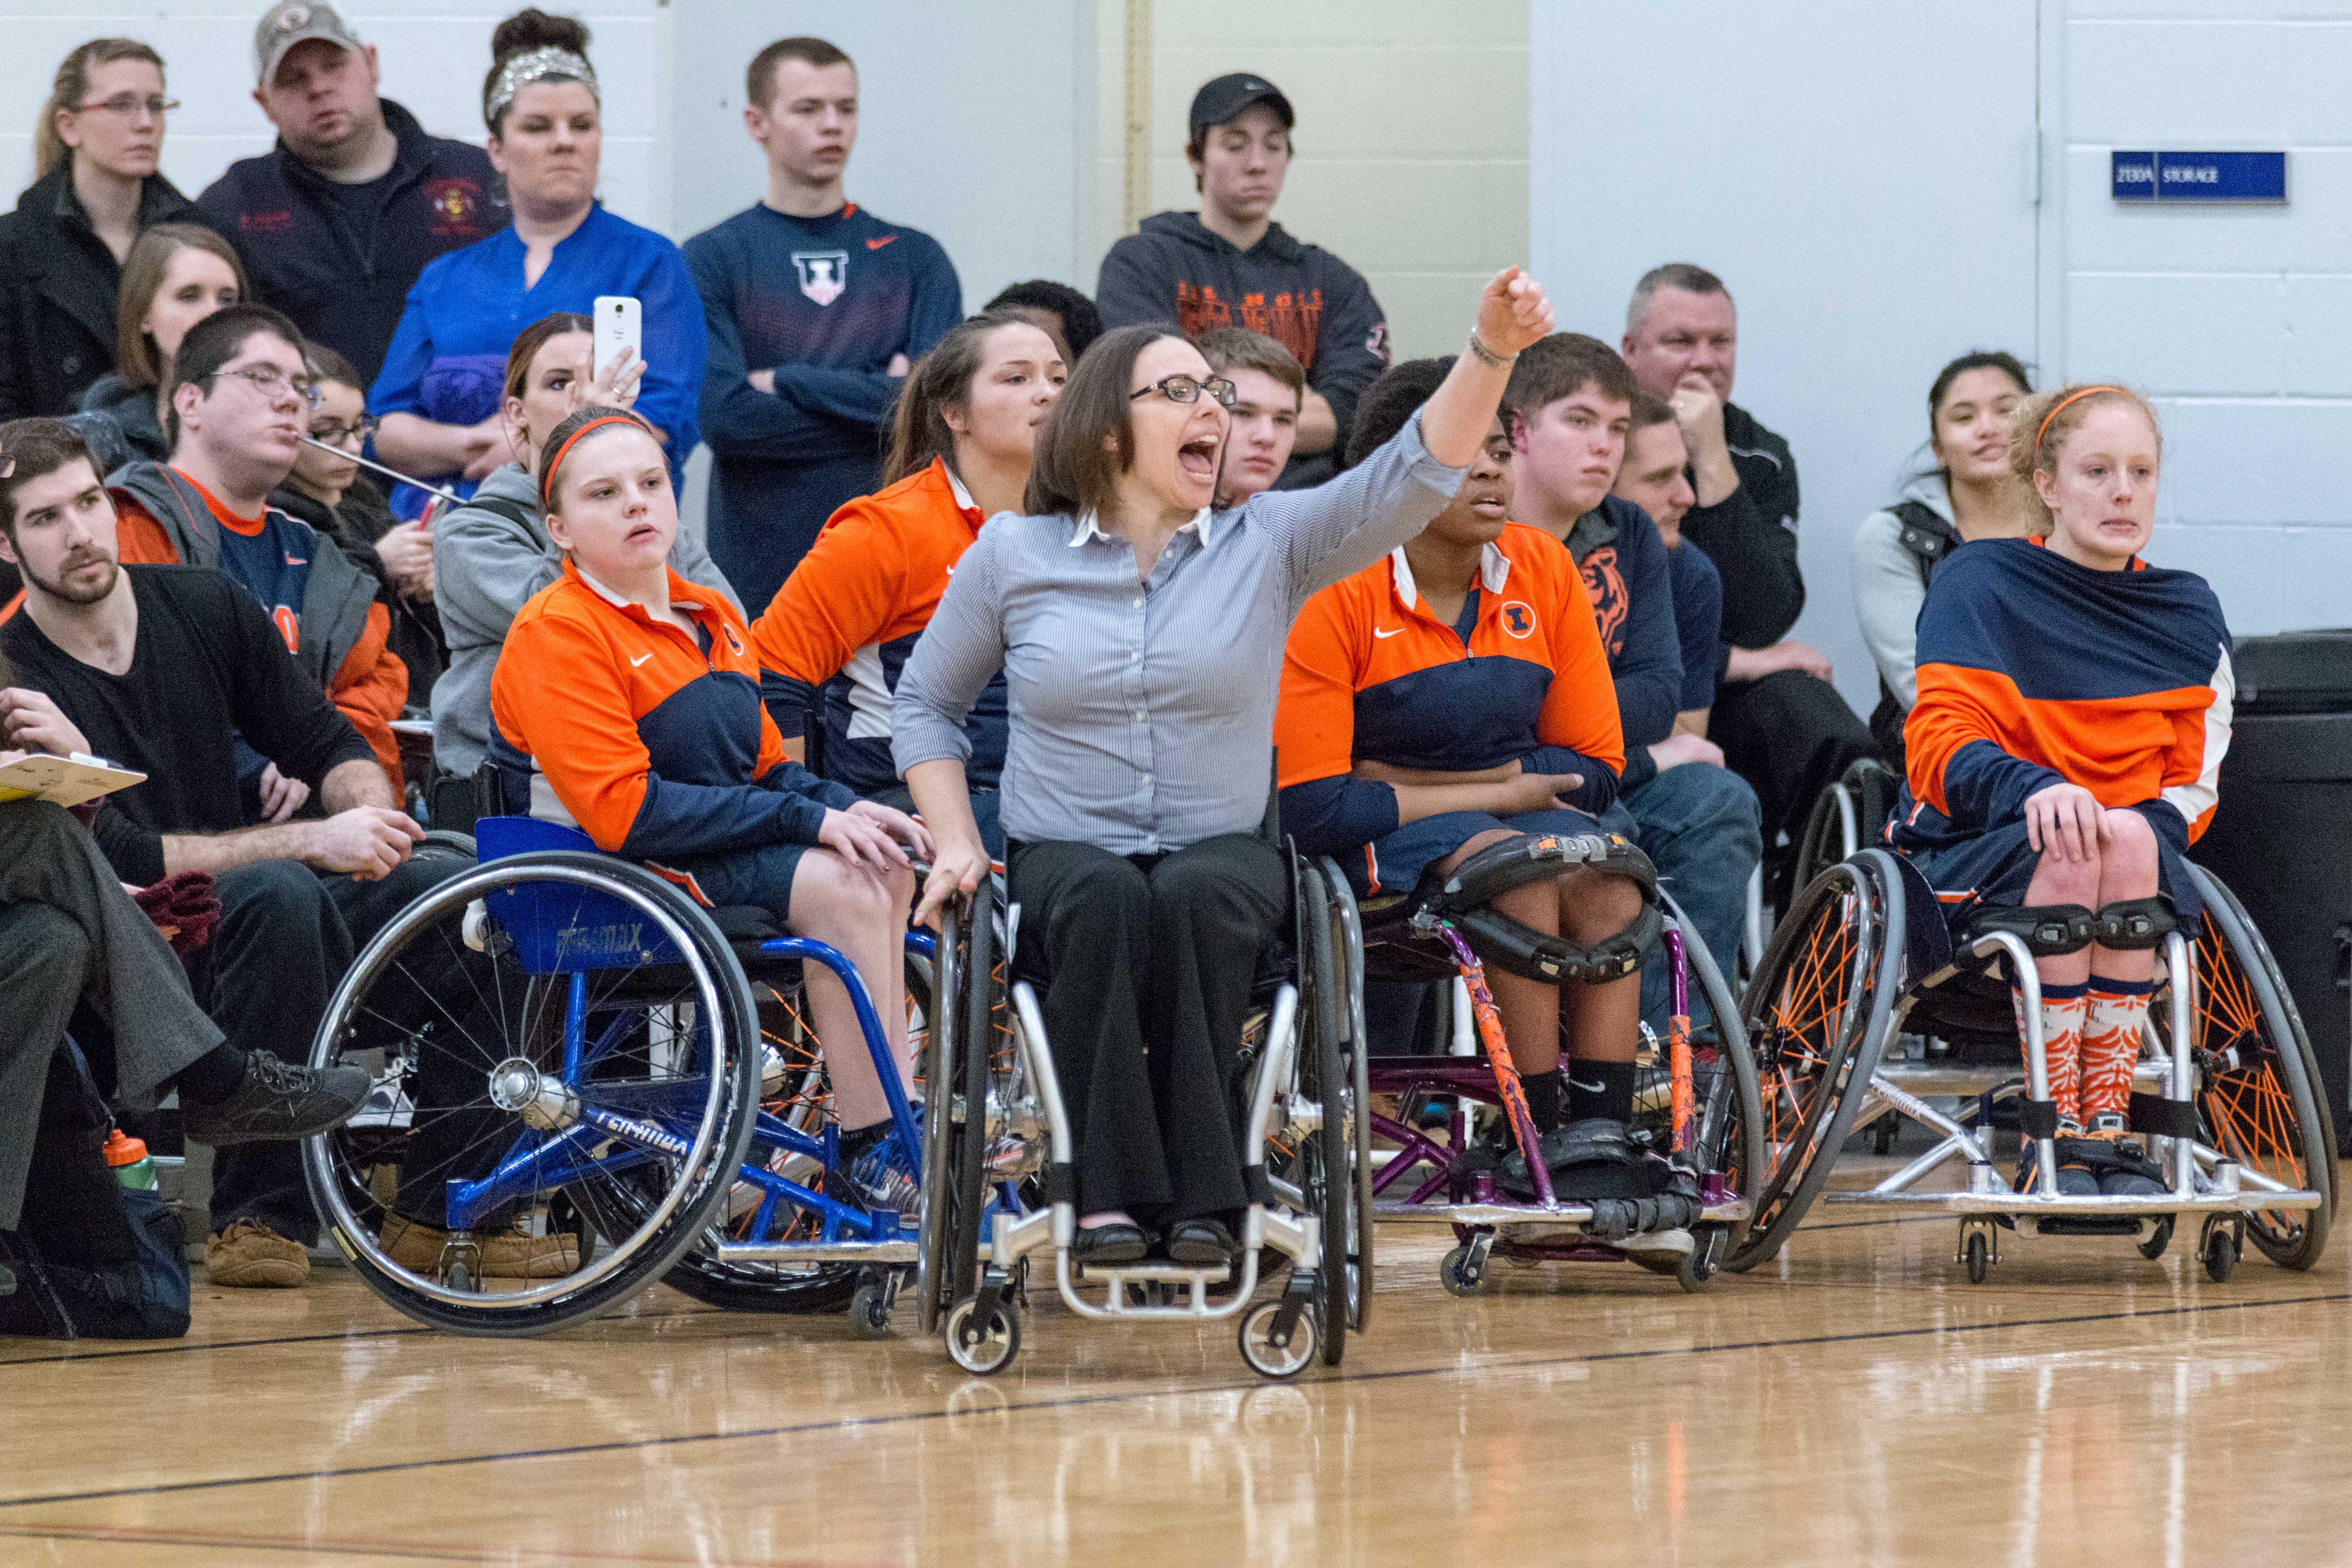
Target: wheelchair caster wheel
[
  {"x": 983, "y": 1348},
  {"x": 2158, "y": 1239},
  {"x": 1460, "y": 1274},
  {"x": 869, "y": 1311},
  {"x": 1265, "y": 1357},
  {"x": 459, "y": 1277},
  {"x": 2221, "y": 1251},
  {"x": 1978, "y": 1258},
  {"x": 1882, "y": 1137},
  {"x": 1696, "y": 1266}
]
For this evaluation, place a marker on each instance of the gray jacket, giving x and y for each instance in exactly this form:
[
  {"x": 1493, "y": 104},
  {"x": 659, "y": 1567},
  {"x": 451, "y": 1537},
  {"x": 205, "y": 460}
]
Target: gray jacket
[
  {"x": 335, "y": 596},
  {"x": 486, "y": 565},
  {"x": 1887, "y": 591}
]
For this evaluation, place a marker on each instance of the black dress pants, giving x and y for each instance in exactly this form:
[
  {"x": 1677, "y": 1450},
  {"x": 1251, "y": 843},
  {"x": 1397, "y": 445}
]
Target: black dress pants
[
  {"x": 287, "y": 935},
  {"x": 1790, "y": 735},
  {"x": 1148, "y": 961}
]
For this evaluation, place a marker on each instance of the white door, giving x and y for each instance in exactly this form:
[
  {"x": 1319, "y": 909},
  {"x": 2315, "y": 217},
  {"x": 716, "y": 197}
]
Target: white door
[{"x": 1863, "y": 177}]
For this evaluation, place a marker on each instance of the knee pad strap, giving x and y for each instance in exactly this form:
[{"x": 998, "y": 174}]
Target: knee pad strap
[
  {"x": 2048, "y": 931},
  {"x": 1497, "y": 939},
  {"x": 1536, "y": 856},
  {"x": 2132, "y": 923}
]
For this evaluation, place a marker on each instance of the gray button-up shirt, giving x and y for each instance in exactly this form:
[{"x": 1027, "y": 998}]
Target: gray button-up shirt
[{"x": 1143, "y": 713}]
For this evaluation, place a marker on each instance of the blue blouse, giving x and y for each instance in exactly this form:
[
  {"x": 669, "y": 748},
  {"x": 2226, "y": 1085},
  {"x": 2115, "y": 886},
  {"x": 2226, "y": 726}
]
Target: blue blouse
[{"x": 448, "y": 361}]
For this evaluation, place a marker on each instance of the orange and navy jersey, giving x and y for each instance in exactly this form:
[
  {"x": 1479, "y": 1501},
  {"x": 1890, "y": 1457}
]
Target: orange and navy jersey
[
  {"x": 654, "y": 740},
  {"x": 848, "y": 617},
  {"x": 1370, "y": 673},
  {"x": 2035, "y": 670}
]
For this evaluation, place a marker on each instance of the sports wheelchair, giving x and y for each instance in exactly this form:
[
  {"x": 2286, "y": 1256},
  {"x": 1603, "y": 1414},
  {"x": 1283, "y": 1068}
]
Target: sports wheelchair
[
  {"x": 1697, "y": 1133},
  {"x": 1867, "y": 1009},
  {"x": 603, "y": 1063},
  {"x": 1000, "y": 1183}
]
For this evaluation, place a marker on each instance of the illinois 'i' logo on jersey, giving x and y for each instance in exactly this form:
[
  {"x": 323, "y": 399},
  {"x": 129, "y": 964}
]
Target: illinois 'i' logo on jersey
[
  {"x": 824, "y": 273},
  {"x": 1518, "y": 619}
]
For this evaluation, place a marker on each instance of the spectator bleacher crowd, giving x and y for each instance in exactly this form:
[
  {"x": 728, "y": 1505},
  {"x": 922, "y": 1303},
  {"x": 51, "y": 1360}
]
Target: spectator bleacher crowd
[{"x": 323, "y": 461}]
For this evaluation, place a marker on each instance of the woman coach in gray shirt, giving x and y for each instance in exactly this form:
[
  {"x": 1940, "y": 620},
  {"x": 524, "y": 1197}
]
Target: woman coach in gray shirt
[{"x": 1141, "y": 635}]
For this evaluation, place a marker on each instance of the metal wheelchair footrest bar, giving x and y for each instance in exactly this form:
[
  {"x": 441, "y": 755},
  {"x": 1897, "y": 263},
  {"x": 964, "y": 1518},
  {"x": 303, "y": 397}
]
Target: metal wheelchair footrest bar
[
  {"x": 1730, "y": 1211},
  {"x": 819, "y": 1251},
  {"x": 2024, "y": 1205}
]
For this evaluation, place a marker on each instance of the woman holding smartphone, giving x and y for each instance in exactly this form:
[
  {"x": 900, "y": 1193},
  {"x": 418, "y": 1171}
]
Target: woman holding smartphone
[{"x": 439, "y": 396}]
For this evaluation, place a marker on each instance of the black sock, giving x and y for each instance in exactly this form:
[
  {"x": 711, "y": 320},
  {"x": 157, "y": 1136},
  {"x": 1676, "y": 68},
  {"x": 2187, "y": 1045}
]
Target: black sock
[
  {"x": 213, "y": 1077},
  {"x": 1599, "y": 1089},
  {"x": 1543, "y": 1092}
]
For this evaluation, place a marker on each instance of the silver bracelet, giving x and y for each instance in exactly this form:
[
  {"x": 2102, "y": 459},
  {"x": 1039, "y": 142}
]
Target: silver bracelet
[{"x": 1487, "y": 356}]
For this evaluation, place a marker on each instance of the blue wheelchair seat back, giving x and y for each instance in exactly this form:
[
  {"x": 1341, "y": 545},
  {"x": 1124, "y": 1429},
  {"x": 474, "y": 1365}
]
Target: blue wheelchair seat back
[{"x": 562, "y": 928}]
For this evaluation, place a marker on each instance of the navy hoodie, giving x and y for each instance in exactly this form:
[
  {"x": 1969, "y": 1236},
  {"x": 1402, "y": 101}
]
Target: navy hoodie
[
  {"x": 340, "y": 260},
  {"x": 1173, "y": 269}
]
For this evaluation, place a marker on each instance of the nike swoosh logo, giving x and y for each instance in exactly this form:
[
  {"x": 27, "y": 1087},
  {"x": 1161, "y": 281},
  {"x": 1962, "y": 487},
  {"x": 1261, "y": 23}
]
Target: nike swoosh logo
[
  {"x": 298, "y": 561},
  {"x": 639, "y": 659},
  {"x": 1398, "y": 633},
  {"x": 1587, "y": 1087},
  {"x": 879, "y": 244}
]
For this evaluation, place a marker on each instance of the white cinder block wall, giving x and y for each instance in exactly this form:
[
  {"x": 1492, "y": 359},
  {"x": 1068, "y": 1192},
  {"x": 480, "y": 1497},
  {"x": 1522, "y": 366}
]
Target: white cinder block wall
[
  {"x": 2239, "y": 320},
  {"x": 435, "y": 54}
]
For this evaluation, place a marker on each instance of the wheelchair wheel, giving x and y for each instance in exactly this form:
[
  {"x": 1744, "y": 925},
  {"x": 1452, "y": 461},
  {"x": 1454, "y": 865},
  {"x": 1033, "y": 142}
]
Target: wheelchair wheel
[
  {"x": 1328, "y": 1158},
  {"x": 1731, "y": 1123},
  {"x": 793, "y": 1090},
  {"x": 1812, "y": 1017},
  {"x": 2257, "y": 1075},
  {"x": 970, "y": 1043},
  {"x": 1348, "y": 963},
  {"x": 1847, "y": 818},
  {"x": 510, "y": 1076}
]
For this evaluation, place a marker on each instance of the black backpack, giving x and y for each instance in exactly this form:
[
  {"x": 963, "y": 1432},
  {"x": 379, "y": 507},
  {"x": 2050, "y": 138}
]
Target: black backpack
[{"x": 92, "y": 1258}]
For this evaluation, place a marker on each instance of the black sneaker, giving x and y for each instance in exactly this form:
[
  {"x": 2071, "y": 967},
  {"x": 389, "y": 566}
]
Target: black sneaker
[{"x": 276, "y": 1099}]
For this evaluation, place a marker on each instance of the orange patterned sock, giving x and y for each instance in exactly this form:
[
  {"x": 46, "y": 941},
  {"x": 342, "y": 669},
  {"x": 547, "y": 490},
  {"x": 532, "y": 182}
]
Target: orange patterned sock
[
  {"x": 2063, "y": 1010},
  {"x": 2111, "y": 1032}
]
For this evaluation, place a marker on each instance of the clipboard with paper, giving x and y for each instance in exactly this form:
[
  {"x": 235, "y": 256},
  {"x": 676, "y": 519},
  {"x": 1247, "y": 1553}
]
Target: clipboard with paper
[{"x": 64, "y": 781}]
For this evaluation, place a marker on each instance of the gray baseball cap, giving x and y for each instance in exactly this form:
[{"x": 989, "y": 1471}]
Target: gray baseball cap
[{"x": 292, "y": 22}]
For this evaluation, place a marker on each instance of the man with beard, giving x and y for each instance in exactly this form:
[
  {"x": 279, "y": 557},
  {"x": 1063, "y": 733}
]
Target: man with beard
[{"x": 168, "y": 670}]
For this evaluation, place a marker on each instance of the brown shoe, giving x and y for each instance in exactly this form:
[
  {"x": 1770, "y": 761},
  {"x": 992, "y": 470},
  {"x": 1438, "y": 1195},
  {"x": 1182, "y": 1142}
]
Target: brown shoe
[
  {"x": 508, "y": 1255},
  {"x": 249, "y": 1255}
]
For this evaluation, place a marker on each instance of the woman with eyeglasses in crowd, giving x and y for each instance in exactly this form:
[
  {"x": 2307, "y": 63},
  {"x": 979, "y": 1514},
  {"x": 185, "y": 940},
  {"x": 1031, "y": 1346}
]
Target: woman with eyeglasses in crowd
[
  {"x": 438, "y": 395},
  {"x": 96, "y": 147},
  {"x": 328, "y": 490},
  {"x": 1141, "y": 635}
]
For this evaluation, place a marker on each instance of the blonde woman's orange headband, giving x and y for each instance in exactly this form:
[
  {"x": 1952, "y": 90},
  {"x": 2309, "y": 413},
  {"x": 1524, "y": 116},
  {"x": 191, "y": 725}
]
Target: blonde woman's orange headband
[
  {"x": 2070, "y": 397},
  {"x": 547, "y": 479}
]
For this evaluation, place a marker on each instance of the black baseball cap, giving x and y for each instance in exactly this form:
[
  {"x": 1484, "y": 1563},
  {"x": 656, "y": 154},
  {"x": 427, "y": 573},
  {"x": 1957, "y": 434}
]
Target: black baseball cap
[{"x": 1225, "y": 97}]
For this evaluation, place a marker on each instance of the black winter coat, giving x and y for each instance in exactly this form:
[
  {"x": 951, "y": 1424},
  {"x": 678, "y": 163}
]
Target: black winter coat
[{"x": 58, "y": 283}]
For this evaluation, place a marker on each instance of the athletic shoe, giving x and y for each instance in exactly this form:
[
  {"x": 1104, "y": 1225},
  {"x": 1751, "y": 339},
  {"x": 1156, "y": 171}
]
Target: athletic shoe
[
  {"x": 883, "y": 1181},
  {"x": 503, "y": 1255},
  {"x": 2121, "y": 1166},
  {"x": 276, "y": 1099},
  {"x": 248, "y": 1255},
  {"x": 2075, "y": 1178}
]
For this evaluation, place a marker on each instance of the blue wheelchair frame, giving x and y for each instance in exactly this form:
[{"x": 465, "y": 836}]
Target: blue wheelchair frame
[{"x": 564, "y": 929}]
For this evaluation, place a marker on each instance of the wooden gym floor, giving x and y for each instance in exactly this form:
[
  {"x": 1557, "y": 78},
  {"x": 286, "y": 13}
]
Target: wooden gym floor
[{"x": 1858, "y": 1401}]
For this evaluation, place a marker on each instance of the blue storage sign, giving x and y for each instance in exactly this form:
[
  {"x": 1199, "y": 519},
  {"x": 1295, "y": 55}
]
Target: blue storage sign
[{"x": 2200, "y": 177}]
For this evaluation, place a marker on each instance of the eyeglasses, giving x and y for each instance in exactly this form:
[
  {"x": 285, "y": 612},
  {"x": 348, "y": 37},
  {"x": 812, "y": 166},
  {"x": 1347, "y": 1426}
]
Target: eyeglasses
[
  {"x": 1188, "y": 389},
  {"x": 272, "y": 382},
  {"x": 128, "y": 104},
  {"x": 334, "y": 432}
]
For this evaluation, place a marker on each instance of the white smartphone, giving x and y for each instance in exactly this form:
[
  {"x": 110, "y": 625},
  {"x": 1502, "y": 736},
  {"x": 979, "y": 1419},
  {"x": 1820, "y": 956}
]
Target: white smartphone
[{"x": 619, "y": 324}]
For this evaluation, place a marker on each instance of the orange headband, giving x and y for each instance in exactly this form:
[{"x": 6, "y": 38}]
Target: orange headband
[
  {"x": 547, "y": 478},
  {"x": 2061, "y": 403}
]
